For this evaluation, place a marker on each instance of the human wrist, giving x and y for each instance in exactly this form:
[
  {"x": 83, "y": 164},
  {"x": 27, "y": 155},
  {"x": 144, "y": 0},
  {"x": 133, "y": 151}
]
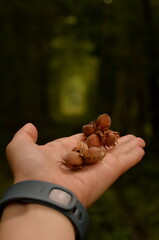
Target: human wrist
[
  {"x": 35, "y": 221},
  {"x": 52, "y": 196}
]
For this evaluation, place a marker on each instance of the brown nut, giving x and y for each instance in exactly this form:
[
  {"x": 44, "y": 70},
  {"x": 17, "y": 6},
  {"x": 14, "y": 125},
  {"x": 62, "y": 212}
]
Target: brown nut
[
  {"x": 110, "y": 139},
  {"x": 103, "y": 121},
  {"x": 88, "y": 129},
  {"x": 91, "y": 149},
  {"x": 95, "y": 155},
  {"x": 93, "y": 141},
  {"x": 73, "y": 160}
]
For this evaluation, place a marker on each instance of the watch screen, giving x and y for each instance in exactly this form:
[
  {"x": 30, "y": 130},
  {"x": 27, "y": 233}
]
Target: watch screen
[{"x": 60, "y": 197}]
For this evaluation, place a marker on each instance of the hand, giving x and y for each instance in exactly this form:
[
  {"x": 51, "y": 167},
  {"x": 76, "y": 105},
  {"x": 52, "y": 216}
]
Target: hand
[{"x": 30, "y": 161}]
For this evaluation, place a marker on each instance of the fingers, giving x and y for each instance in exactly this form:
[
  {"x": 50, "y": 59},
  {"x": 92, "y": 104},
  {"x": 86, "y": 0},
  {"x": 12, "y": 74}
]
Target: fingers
[
  {"x": 130, "y": 137},
  {"x": 126, "y": 143},
  {"x": 128, "y": 152},
  {"x": 133, "y": 157},
  {"x": 128, "y": 160}
]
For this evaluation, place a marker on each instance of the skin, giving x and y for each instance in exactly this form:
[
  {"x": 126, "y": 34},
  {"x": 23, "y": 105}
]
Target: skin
[{"x": 29, "y": 161}]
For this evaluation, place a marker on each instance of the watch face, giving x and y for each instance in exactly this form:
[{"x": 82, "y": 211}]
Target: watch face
[{"x": 60, "y": 197}]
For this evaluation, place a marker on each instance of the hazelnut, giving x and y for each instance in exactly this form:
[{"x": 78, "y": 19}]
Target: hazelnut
[
  {"x": 97, "y": 136},
  {"x": 93, "y": 141},
  {"x": 103, "y": 121},
  {"x": 110, "y": 139},
  {"x": 88, "y": 129},
  {"x": 73, "y": 159},
  {"x": 94, "y": 155}
]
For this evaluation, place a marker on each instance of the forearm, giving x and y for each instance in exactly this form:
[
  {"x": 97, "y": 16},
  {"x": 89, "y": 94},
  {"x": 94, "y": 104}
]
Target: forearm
[{"x": 33, "y": 221}]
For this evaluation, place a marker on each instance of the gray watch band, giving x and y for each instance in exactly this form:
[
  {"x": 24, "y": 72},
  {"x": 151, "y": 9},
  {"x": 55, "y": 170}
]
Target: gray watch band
[{"x": 51, "y": 195}]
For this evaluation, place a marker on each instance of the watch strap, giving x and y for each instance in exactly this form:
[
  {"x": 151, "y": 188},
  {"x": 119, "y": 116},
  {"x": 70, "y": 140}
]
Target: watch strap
[{"x": 50, "y": 195}]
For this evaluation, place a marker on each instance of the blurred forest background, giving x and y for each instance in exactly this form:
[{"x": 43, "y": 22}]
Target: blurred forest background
[{"x": 64, "y": 62}]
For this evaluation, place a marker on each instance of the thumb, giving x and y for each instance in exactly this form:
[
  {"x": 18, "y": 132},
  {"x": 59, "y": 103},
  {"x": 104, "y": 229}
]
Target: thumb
[
  {"x": 19, "y": 146},
  {"x": 28, "y": 133}
]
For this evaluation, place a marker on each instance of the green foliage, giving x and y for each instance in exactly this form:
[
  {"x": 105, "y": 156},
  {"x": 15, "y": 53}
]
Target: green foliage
[
  {"x": 78, "y": 76},
  {"x": 63, "y": 63}
]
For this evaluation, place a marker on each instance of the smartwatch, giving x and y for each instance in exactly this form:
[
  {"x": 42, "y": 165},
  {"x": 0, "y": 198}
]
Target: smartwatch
[{"x": 50, "y": 195}]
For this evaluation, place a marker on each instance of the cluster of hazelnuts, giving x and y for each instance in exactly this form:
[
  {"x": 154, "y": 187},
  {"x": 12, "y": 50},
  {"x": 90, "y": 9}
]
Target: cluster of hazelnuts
[{"x": 98, "y": 138}]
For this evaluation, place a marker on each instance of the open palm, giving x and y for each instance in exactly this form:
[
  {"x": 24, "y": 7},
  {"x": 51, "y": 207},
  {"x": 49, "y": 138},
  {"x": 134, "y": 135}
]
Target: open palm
[{"x": 30, "y": 161}]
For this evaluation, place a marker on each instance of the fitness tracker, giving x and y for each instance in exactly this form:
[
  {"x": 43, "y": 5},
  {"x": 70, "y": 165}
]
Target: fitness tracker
[{"x": 53, "y": 196}]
